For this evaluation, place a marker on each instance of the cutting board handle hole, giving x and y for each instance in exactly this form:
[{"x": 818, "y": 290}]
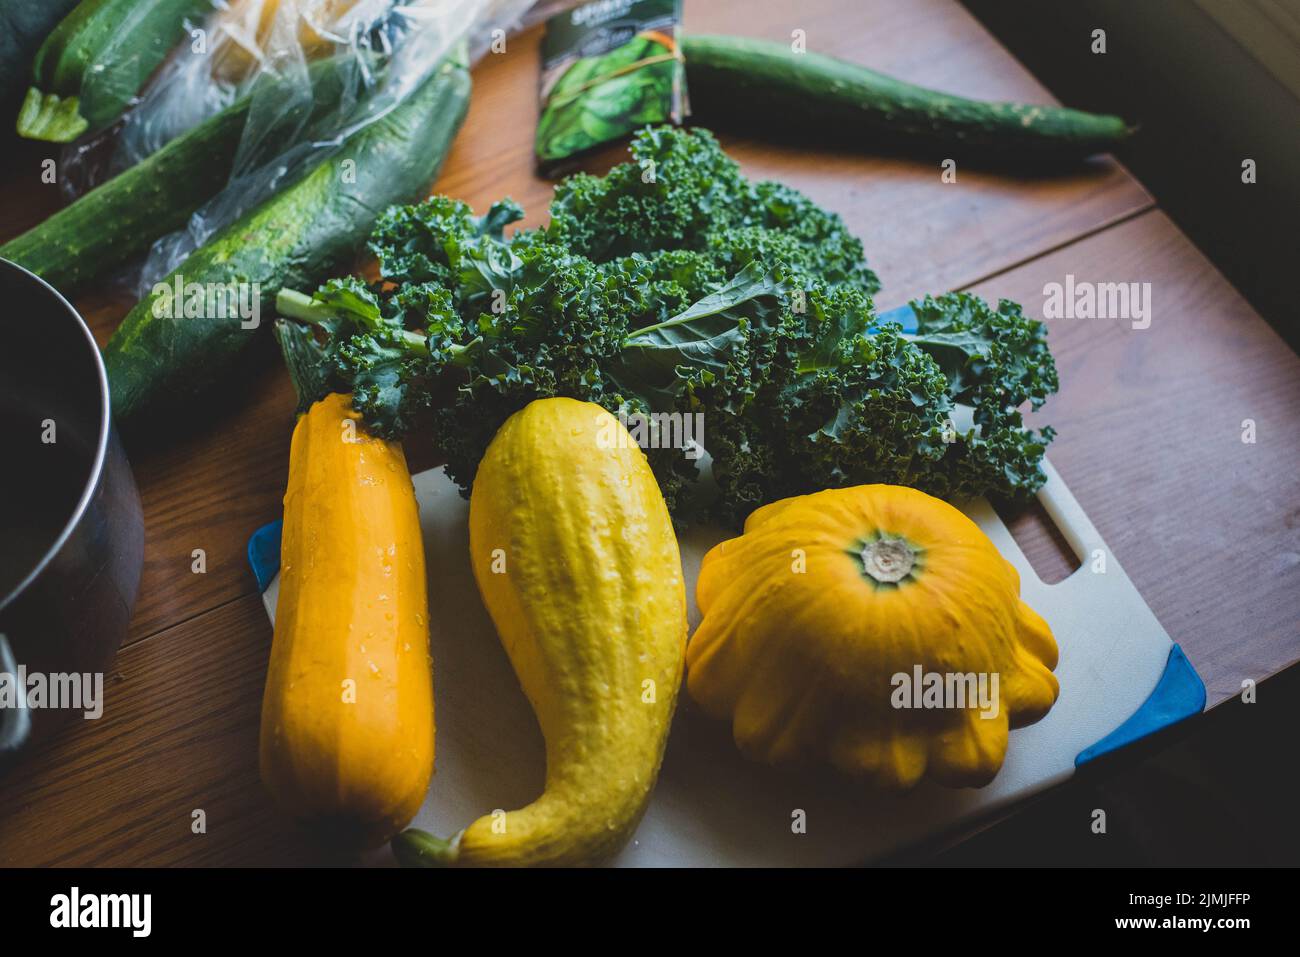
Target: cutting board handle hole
[{"x": 1045, "y": 547}]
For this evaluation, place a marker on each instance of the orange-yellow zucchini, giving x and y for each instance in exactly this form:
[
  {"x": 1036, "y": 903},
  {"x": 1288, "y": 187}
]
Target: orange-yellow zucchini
[{"x": 347, "y": 717}]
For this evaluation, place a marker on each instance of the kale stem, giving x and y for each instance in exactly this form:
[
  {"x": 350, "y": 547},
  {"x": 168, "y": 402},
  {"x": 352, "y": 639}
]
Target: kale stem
[
  {"x": 461, "y": 355},
  {"x": 666, "y": 324},
  {"x": 293, "y": 304},
  {"x": 416, "y": 342}
]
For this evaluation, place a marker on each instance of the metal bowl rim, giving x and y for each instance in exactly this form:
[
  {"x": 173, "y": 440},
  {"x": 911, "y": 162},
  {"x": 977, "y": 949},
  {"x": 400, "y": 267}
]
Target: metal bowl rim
[{"x": 101, "y": 445}]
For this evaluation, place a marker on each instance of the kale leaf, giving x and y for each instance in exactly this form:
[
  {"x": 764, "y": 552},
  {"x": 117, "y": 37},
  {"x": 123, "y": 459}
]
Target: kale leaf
[{"x": 674, "y": 285}]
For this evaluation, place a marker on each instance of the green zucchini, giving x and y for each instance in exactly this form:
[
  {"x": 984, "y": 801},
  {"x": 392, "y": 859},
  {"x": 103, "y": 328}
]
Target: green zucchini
[
  {"x": 23, "y": 27},
  {"x": 158, "y": 360},
  {"x": 120, "y": 219},
  {"x": 96, "y": 61},
  {"x": 768, "y": 83}
]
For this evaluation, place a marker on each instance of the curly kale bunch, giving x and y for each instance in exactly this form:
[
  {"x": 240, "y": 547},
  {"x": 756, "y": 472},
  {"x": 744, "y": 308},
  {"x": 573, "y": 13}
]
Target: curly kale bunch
[
  {"x": 674, "y": 285},
  {"x": 682, "y": 192}
]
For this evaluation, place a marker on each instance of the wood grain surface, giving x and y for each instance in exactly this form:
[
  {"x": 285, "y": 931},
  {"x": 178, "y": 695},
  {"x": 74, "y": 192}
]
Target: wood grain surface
[
  {"x": 1150, "y": 420},
  {"x": 1151, "y": 426}
]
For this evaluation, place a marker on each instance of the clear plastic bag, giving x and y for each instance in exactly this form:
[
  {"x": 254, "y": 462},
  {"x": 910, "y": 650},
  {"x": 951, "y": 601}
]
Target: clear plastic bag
[{"x": 273, "y": 53}]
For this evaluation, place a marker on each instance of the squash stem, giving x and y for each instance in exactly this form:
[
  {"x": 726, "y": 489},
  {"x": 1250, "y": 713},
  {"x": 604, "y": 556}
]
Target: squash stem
[
  {"x": 416, "y": 848},
  {"x": 305, "y": 360},
  {"x": 46, "y": 116},
  {"x": 888, "y": 560}
]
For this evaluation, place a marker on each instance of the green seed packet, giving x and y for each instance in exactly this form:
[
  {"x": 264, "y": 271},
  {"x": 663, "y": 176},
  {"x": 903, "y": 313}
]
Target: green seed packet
[{"x": 608, "y": 67}]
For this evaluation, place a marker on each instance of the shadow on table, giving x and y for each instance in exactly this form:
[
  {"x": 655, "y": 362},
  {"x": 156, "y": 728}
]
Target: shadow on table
[{"x": 1218, "y": 792}]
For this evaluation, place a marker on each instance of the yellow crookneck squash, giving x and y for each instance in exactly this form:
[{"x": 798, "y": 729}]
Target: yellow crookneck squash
[
  {"x": 347, "y": 717},
  {"x": 577, "y": 563},
  {"x": 818, "y": 620}
]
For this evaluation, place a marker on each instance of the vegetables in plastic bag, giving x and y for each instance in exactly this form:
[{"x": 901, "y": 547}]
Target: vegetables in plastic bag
[
  {"x": 121, "y": 219},
  {"x": 95, "y": 62},
  {"x": 194, "y": 326},
  {"x": 396, "y": 47}
]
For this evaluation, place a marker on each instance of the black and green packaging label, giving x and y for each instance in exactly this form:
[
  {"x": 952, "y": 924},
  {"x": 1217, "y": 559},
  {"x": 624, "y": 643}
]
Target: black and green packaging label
[{"x": 608, "y": 67}]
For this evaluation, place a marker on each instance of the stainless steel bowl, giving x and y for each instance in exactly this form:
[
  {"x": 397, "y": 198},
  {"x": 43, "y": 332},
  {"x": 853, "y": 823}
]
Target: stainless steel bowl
[{"x": 71, "y": 530}]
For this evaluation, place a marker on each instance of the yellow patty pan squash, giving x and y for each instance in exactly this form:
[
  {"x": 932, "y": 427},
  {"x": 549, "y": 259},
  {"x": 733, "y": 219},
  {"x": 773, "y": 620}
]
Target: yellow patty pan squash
[{"x": 874, "y": 627}]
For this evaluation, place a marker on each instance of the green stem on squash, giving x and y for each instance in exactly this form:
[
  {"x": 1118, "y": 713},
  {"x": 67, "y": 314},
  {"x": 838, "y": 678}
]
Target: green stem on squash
[
  {"x": 46, "y": 116},
  {"x": 303, "y": 357},
  {"x": 416, "y": 848}
]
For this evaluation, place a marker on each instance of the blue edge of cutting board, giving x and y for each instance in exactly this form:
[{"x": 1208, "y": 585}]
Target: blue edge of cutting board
[{"x": 1178, "y": 694}]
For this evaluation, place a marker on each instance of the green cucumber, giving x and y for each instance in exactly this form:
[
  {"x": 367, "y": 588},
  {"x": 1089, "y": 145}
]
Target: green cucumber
[
  {"x": 159, "y": 361},
  {"x": 770, "y": 83},
  {"x": 96, "y": 61},
  {"x": 121, "y": 218}
]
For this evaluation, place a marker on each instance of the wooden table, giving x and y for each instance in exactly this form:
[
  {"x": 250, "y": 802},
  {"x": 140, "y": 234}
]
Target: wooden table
[{"x": 1150, "y": 421}]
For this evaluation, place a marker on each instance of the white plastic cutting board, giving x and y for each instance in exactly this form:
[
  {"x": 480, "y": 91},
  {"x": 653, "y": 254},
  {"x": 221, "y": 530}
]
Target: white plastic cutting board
[{"x": 710, "y": 806}]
